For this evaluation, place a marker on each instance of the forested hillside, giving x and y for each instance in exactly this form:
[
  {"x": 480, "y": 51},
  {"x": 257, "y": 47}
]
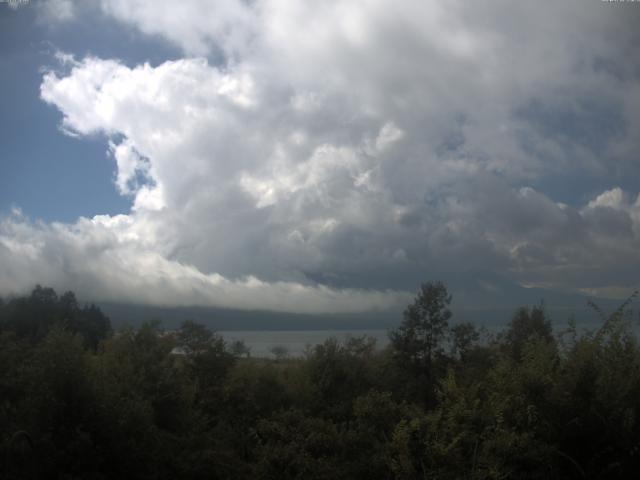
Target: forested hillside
[{"x": 442, "y": 401}]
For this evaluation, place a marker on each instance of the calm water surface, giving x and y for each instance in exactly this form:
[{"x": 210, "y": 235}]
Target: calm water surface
[{"x": 296, "y": 341}]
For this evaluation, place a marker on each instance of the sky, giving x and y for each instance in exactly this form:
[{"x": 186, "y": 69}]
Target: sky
[{"x": 319, "y": 157}]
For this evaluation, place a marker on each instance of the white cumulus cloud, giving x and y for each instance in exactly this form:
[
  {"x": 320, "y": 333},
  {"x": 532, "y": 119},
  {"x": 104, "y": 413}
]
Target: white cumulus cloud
[{"x": 315, "y": 156}]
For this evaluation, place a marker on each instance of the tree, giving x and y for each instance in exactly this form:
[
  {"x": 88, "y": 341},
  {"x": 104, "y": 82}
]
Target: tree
[
  {"x": 240, "y": 349},
  {"x": 280, "y": 352},
  {"x": 33, "y": 316},
  {"x": 464, "y": 336},
  {"x": 194, "y": 337},
  {"x": 61, "y": 405},
  {"x": 339, "y": 372},
  {"x": 525, "y": 324},
  {"x": 208, "y": 362},
  {"x": 426, "y": 322}
]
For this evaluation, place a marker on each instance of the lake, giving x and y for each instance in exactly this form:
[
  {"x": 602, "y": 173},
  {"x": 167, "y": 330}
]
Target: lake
[{"x": 296, "y": 341}]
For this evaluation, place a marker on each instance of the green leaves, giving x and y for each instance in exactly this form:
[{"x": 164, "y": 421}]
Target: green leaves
[
  {"x": 426, "y": 321},
  {"x": 523, "y": 405}
]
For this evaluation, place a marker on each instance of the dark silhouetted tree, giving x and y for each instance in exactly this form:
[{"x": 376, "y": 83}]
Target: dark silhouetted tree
[
  {"x": 419, "y": 339},
  {"x": 426, "y": 321},
  {"x": 463, "y": 337},
  {"x": 526, "y": 324}
]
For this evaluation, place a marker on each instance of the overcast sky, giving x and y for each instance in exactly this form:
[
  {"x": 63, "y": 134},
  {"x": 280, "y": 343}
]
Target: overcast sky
[{"x": 319, "y": 156}]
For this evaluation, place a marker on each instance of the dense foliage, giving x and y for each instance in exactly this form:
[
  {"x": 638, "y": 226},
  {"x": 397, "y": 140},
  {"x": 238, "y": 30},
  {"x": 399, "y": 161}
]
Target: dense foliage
[{"x": 78, "y": 401}]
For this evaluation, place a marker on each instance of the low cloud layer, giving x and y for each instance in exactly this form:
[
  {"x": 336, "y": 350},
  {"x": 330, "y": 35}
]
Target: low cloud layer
[
  {"x": 104, "y": 259},
  {"x": 322, "y": 156}
]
